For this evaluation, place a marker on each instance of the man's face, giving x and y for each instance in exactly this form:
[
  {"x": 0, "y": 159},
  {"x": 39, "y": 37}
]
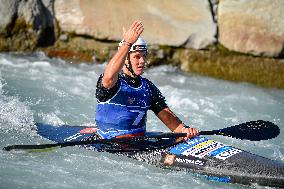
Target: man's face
[{"x": 138, "y": 61}]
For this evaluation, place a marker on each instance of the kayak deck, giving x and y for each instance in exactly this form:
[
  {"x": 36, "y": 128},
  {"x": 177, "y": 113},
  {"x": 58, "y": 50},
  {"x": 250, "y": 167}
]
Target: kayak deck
[{"x": 213, "y": 159}]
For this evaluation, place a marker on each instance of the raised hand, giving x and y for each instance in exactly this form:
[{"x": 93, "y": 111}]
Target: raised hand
[{"x": 132, "y": 34}]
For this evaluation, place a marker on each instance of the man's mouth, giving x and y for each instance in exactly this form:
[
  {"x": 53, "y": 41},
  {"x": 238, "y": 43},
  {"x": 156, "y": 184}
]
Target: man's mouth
[{"x": 141, "y": 67}]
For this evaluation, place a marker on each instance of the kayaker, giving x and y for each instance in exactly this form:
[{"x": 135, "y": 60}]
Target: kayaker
[{"x": 124, "y": 97}]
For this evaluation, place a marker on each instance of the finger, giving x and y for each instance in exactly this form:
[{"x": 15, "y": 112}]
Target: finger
[
  {"x": 188, "y": 135},
  {"x": 135, "y": 24},
  {"x": 140, "y": 30},
  {"x": 138, "y": 25},
  {"x": 194, "y": 133}
]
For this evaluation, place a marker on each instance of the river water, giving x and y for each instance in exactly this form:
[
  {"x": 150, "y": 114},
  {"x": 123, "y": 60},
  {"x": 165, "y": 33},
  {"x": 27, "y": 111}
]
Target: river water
[{"x": 35, "y": 88}]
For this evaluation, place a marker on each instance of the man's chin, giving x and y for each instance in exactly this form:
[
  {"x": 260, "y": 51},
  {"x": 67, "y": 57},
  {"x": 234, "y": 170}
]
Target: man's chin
[{"x": 140, "y": 72}]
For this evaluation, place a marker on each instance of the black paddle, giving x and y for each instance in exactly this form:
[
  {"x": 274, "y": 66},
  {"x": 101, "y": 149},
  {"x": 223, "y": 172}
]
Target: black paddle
[
  {"x": 86, "y": 142},
  {"x": 253, "y": 130}
]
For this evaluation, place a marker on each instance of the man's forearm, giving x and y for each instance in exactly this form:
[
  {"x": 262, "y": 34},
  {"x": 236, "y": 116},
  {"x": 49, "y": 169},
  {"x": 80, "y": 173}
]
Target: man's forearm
[
  {"x": 170, "y": 120},
  {"x": 114, "y": 66}
]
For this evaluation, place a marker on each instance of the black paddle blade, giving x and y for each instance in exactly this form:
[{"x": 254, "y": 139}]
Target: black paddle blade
[{"x": 252, "y": 130}]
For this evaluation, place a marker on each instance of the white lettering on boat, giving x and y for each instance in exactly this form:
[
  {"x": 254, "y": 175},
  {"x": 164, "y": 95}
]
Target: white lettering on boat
[
  {"x": 226, "y": 154},
  {"x": 189, "y": 161},
  {"x": 203, "y": 150}
]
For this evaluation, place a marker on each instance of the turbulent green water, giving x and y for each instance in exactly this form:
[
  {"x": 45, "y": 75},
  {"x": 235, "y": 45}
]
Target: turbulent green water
[{"x": 36, "y": 88}]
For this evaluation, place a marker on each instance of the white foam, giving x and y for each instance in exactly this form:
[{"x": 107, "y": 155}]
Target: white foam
[
  {"x": 4, "y": 61},
  {"x": 51, "y": 91},
  {"x": 51, "y": 118},
  {"x": 14, "y": 115},
  {"x": 40, "y": 64}
]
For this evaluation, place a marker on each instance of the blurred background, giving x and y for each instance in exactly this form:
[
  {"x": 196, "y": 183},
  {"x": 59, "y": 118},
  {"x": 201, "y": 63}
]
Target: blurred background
[{"x": 218, "y": 64}]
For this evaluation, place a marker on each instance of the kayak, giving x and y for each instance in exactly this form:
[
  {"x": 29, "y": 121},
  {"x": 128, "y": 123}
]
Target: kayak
[{"x": 202, "y": 155}]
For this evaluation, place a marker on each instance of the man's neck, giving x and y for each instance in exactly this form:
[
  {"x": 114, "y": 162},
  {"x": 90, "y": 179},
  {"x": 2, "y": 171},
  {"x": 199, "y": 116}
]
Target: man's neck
[
  {"x": 132, "y": 81},
  {"x": 128, "y": 73}
]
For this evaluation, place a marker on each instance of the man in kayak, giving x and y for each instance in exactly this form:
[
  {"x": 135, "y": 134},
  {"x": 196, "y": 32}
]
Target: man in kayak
[{"x": 124, "y": 97}]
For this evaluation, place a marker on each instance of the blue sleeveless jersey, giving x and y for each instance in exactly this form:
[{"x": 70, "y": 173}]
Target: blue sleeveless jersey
[{"x": 125, "y": 112}]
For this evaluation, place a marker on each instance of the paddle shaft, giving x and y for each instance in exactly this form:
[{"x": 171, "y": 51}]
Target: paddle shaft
[
  {"x": 87, "y": 142},
  {"x": 213, "y": 132}
]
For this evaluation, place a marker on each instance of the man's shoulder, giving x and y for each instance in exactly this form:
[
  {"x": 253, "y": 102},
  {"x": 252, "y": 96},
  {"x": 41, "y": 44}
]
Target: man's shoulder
[
  {"x": 103, "y": 94},
  {"x": 148, "y": 81},
  {"x": 145, "y": 79}
]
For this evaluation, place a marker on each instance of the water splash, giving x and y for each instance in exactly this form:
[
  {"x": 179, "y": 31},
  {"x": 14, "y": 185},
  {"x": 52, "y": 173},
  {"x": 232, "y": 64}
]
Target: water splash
[
  {"x": 14, "y": 114},
  {"x": 36, "y": 88}
]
